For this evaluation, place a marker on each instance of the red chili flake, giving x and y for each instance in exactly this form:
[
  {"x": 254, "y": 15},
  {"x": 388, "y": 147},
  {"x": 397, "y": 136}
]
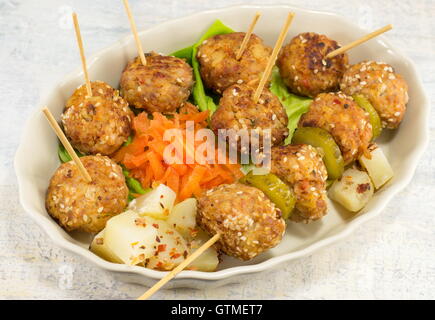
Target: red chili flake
[
  {"x": 161, "y": 248},
  {"x": 363, "y": 187},
  {"x": 175, "y": 255},
  {"x": 336, "y": 101},
  {"x": 155, "y": 225},
  {"x": 157, "y": 239}
]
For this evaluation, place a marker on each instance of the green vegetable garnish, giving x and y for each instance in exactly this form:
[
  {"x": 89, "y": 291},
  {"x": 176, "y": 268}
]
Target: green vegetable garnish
[
  {"x": 128, "y": 141},
  {"x": 321, "y": 138},
  {"x": 374, "y": 118},
  {"x": 295, "y": 106},
  {"x": 275, "y": 189},
  {"x": 134, "y": 186},
  {"x": 200, "y": 98},
  {"x": 64, "y": 155}
]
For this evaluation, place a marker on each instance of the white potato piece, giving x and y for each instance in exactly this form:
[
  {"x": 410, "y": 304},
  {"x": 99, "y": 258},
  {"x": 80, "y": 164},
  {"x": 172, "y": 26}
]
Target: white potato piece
[
  {"x": 157, "y": 203},
  {"x": 183, "y": 217},
  {"x": 170, "y": 248},
  {"x": 377, "y": 167},
  {"x": 353, "y": 191},
  {"x": 209, "y": 260},
  {"x": 100, "y": 248},
  {"x": 131, "y": 237}
]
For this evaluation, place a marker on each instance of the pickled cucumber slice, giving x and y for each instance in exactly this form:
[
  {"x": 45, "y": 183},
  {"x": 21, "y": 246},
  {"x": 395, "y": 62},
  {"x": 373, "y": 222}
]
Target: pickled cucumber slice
[
  {"x": 275, "y": 189},
  {"x": 320, "y": 138},
  {"x": 374, "y": 118}
]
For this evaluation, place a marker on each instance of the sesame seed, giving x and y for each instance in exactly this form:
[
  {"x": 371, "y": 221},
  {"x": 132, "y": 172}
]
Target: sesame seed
[
  {"x": 240, "y": 81},
  {"x": 397, "y": 113}
]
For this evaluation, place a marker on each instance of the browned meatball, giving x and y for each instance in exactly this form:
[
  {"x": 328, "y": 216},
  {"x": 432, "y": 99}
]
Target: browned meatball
[
  {"x": 219, "y": 66},
  {"x": 304, "y": 67},
  {"x": 301, "y": 167},
  {"x": 162, "y": 85},
  {"x": 238, "y": 111},
  {"x": 247, "y": 220},
  {"x": 86, "y": 206},
  {"x": 344, "y": 120},
  {"x": 99, "y": 124},
  {"x": 386, "y": 90}
]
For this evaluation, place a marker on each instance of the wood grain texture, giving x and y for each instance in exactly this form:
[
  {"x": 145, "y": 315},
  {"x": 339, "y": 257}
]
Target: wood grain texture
[{"x": 389, "y": 257}]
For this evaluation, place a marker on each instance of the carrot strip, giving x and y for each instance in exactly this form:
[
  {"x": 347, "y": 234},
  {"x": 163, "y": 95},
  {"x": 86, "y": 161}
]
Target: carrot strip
[{"x": 144, "y": 156}]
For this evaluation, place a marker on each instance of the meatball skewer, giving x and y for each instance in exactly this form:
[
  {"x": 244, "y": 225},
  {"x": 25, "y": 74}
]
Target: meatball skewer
[
  {"x": 247, "y": 229},
  {"x": 96, "y": 119},
  {"x": 87, "y": 192},
  {"x": 155, "y": 82}
]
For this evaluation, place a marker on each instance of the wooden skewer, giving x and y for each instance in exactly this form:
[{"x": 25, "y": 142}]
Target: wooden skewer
[
  {"x": 359, "y": 41},
  {"x": 66, "y": 143},
  {"x": 136, "y": 36},
  {"x": 82, "y": 54},
  {"x": 273, "y": 57},
  {"x": 180, "y": 267},
  {"x": 248, "y": 36}
]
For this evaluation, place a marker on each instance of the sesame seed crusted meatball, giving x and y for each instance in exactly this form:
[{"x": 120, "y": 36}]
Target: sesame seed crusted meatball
[
  {"x": 162, "y": 85},
  {"x": 301, "y": 166},
  {"x": 348, "y": 124},
  {"x": 99, "y": 124},
  {"x": 304, "y": 67},
  {"x": 386, "y": 90},
  {"x": 248, "y": 221},
  {"x": 86, "y": 206},
  {"x": 219, "y": 66},
  {"x": 238, "y": 111}
]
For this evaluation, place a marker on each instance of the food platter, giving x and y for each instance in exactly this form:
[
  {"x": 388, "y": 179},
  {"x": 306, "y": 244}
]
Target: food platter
[{"x": 36, "y": 158}]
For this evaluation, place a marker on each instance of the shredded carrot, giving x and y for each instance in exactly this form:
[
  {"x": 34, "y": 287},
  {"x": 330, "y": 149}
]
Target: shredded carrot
[{"x": 144, "y": 156}]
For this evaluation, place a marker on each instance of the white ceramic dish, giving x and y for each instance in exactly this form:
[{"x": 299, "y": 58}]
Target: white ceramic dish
[{"x": 36, "y": 158}]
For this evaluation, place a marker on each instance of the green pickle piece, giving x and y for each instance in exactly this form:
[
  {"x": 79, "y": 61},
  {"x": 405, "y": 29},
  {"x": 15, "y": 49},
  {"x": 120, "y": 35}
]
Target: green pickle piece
[
  {"x": 320, "y": 138},
  {"x": 275, "y": 189},
  {"x": 374, "y": 118}
]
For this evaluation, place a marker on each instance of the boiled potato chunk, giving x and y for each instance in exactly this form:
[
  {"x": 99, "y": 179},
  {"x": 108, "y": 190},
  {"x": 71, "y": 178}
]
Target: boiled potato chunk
[
  {"x": 170, "y": 248},
  {"x": 100, "y": 248},
  {"x": 157, "y": 203},
  {"x": 131, "y": 237},
  {"x": 353, "y": 191},
  {"x": 209, "y": 260},
  {"x": 183, "y": 217},
  {"x": 377, "y": 167}
]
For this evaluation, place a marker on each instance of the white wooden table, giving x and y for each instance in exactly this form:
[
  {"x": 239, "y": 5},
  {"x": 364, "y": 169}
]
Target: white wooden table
[{"x": 392, "y": 256}]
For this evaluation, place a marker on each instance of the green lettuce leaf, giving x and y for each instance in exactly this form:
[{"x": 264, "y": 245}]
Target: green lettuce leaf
[
  {"x": 64, "y": 155},
  {"x": 294, "y": 105}
]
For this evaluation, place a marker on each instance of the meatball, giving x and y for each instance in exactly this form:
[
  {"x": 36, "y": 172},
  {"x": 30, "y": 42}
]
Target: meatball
[
  {"x": 344, "y": 120},
  {"x": 162, "y": 85},
  {"x": 249, "y": 223},
  {"x": 86, "y": 206},
  {"x": 301, "y": 167},
  {"x": 238, "y": 111},
  {"x": 304, "y": 67},
  {"x": 219, "y": 66},
  {"x": 386, "y": 90},
  {"x": 99, "y": 124}
]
